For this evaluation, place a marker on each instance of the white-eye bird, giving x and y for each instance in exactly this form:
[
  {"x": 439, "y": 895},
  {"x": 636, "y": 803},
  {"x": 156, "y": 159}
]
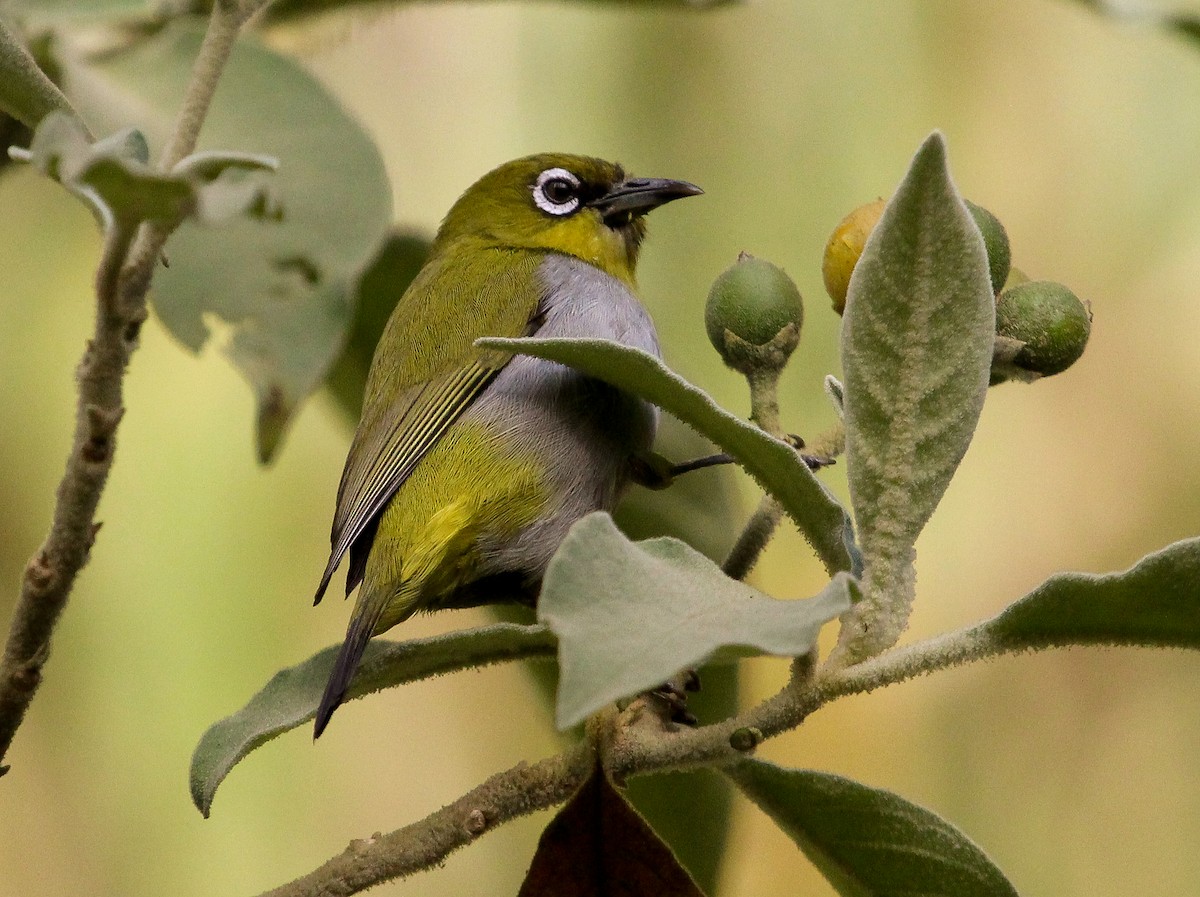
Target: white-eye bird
[{"x": 468, "y": 468}]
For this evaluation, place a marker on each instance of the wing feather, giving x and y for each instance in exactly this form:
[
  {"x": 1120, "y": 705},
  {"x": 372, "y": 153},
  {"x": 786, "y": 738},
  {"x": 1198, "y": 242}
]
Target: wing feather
[
  {"x": 373, "y": 485},
  {"x": 395, "y": 435}
]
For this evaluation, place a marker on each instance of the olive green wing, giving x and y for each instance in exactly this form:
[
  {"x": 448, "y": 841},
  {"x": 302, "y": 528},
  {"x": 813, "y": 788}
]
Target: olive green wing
[{"x": 425, "y": 374}]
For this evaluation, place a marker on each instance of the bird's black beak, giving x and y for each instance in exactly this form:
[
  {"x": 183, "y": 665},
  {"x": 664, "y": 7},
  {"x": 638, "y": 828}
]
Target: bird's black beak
[{"x": 635, "y": 197}]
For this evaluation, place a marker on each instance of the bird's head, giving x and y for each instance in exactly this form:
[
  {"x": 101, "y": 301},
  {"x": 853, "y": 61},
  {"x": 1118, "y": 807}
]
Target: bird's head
[{"x": 576, "y": 205}]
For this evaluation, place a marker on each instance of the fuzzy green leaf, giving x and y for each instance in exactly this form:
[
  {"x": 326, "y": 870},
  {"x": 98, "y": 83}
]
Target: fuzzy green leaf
[
  {"x": 917, "y": 343},
  {"x": 112, "y": 178},
  {"x": 26, "y": 93},
  {"x": 868, "y": 842},
  {"x": 916, "y": 348},
  {"x": 284, "y": 291},
  {"x": 291, "y": 697},
  {"x": 778, "y": 468},
  {"x": 1155, "y": 603},
  {"x": 629, "y": 615}
]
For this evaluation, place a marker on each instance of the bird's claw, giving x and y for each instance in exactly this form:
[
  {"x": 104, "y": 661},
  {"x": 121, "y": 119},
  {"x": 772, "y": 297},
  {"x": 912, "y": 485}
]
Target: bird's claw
[{"x": 674, "y": 694}]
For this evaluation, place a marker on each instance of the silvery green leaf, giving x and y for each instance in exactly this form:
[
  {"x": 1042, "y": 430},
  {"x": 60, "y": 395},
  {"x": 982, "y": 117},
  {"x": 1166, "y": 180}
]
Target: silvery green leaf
[
  {"x": 26, "y": 93},
  {"x": 869, "y": 842},
  {"x": 917, "y": 340},
  {"x": 629, "y": 615},
  {"x": 1156, "y": 602},
  {"x": 291, "y": 697}
]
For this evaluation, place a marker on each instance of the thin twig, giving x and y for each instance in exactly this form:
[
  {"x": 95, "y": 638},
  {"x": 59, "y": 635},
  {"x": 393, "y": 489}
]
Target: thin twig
[
  {"x": 215, "y": 49},
  {"x": 760, "y": 528},
  {"x": 753, "y": 539},
  {"x": 122, "y": 281}
]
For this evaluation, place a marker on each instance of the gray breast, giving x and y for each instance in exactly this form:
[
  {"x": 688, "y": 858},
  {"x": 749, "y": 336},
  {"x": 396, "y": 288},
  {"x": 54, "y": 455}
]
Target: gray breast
[{"x": 585, "y": 430}]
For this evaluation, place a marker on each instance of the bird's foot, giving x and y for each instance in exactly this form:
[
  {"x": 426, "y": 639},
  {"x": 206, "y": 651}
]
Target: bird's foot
[{"x": 673, "y": 694}]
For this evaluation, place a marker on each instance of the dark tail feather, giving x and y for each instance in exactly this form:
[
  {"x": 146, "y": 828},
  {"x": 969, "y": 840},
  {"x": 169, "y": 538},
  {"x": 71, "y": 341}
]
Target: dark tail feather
[
  {"x": 362, "y": 626},
  {"x": 358, "y": 549},
  {"x": 324, "y": 584}
]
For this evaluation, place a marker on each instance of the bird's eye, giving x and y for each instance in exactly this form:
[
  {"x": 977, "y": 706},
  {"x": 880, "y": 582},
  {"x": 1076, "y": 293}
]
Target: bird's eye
[{"x": 556, "y": 191}]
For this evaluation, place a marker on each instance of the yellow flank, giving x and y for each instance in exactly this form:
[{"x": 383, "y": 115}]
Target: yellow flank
[{"x": 469, "y": 487}]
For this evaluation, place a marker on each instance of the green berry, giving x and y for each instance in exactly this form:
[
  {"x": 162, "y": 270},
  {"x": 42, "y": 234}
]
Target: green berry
[
  {"x": 1049, "y": 319},
  {"x": 995, "y": 238},
  {"x": 753, "y": 305}
]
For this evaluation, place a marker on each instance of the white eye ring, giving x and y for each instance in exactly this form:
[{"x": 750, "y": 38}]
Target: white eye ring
[{"x": 555, "y": 178}]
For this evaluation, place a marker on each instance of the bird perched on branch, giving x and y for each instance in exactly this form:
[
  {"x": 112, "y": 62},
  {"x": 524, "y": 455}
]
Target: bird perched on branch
[{"x": 468, "y": 467}]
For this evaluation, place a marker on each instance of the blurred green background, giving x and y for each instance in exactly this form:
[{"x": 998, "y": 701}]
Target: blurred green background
[{"x": 1077, "y": 771}]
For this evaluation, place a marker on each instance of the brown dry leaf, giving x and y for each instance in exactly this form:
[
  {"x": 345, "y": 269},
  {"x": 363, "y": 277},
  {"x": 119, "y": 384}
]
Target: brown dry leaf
[{"x": 598, "y": 846}]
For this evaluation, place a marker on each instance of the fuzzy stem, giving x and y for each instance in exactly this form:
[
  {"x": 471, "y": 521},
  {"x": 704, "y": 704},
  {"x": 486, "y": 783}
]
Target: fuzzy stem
[
  {"x": 122, "y": 281},
  {"x": 51, "y": 573},
  {"x": 764, "y": 399},
  {"x": 754, "y": 538},
  {"x": 217, "y": 45},
  {"x": 215, "y": 49}
]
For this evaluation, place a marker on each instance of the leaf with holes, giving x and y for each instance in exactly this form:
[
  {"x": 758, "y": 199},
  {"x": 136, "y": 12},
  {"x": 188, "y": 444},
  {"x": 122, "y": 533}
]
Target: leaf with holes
[{"x": 281, "y": 293}]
